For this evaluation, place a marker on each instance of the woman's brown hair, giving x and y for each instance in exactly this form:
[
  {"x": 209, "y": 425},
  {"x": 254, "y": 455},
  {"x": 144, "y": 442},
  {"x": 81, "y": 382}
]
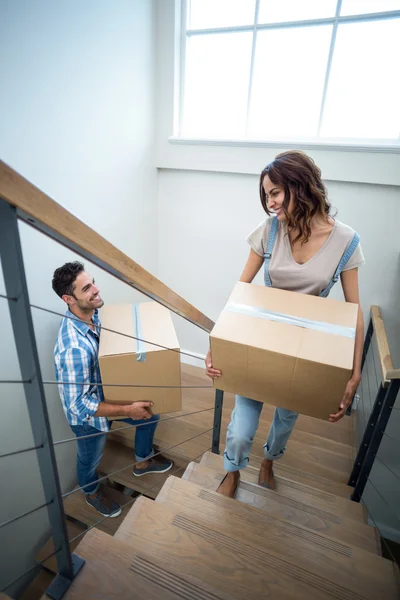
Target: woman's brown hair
[{"x": 298, "y": 174}]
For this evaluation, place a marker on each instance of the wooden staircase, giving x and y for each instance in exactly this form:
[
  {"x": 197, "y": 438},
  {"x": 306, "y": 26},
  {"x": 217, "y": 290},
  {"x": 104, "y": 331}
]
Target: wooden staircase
[
  {"x": 305, "y": 539},
  {"x": 193, "y": 543}
]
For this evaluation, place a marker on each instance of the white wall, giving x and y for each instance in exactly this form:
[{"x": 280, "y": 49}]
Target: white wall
[{"x": 76, "y": 119}]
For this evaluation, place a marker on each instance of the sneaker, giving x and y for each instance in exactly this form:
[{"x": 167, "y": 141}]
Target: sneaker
[
  {"x": 104, "y": 506},
  {"x": 159, "y": 464}
]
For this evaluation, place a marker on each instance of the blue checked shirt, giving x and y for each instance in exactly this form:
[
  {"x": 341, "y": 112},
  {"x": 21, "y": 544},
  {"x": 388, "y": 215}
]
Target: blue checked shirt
[{"x": 77, "y": 364}]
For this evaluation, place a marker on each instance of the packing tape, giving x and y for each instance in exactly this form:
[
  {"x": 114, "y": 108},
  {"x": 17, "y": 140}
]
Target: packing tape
[
  {"x": 262, "y": 313},
  {"x": 140, "y": 347}
]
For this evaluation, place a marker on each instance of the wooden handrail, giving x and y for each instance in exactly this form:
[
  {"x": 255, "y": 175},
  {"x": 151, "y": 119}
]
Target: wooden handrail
[
  {"x": 385, "y": 358},
  {"x": 395, "y": 374},
  {"x": 46, "y": 215}
]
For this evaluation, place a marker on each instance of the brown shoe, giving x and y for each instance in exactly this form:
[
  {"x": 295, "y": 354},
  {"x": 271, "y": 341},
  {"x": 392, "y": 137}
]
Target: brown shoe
[
  {"x": 266, "y": 476},
  {"x": 229, "y": 484}
]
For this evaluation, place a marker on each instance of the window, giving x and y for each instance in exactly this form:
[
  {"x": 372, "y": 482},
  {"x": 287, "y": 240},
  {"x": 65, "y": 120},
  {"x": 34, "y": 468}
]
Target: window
[{"x": 291, "y": 70}]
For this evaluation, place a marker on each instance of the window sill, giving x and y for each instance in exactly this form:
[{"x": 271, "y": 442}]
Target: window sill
[
  {"x": 339, "y": 146},
  {"x": 338, "y": 161}
]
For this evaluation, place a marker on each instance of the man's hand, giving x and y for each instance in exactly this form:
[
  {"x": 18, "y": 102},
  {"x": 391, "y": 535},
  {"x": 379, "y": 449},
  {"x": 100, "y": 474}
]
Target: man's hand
[
  {"x": 210, "y": 372},
  {"x": 139, "y": 411},
  {"x": 346, "y": 400}
]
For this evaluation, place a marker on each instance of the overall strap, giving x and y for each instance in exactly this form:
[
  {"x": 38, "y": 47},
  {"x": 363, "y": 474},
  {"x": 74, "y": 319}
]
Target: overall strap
[
  {"x": 343, "y": 262},
  {"x": 270, "y": 245}
]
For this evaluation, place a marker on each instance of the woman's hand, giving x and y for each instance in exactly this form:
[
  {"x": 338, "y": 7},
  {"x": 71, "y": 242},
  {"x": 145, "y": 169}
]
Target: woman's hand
[
  {"x": 346, "y": 400},
  {"x": 210, "y": 372}
]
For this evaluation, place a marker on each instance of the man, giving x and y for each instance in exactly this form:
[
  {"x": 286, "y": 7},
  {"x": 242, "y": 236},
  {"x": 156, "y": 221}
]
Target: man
[{"x": 78, "y": 372}]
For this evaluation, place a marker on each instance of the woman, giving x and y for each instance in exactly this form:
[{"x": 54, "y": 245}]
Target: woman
[{"x": 304, "y": 249}]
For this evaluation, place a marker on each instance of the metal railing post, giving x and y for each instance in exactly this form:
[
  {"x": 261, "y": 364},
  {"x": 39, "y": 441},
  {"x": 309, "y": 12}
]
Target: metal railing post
[
  {"x": 376, "y": 438},
  {"x": 367, "y": 436},
  {"x": 367, "y": 343},
  {"x": 24, "y": 334},
  {"x": 219, "y": 400}
]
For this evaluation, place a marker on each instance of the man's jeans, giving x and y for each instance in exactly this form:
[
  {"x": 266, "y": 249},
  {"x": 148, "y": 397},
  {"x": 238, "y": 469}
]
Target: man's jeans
[
  {"x": 242, "y": 430},
  {"x": 90, "y": 450}
]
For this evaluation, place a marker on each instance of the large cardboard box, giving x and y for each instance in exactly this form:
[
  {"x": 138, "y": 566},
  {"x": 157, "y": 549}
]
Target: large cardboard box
[
  {"x": 124, "y": 360},
  {"x": 287, "y": 349}
]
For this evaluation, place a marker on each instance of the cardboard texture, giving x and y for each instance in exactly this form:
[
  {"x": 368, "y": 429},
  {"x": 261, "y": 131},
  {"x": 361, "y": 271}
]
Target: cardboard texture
[
  {"x": 282, "y": 364},
  {"x": 118, "y": 356}
]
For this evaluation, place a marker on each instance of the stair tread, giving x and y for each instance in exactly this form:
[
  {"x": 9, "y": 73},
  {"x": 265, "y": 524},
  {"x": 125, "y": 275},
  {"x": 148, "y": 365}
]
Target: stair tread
[
  {"x": 113, "y": 569},
  {"x": 340, "y": 527},
  {"x": 329, "y": 503},
  {"x": 76, "y": 507},
  {"x": 229, "y": 573},
  {"x": 230, "y": 546},
  {"x": 73, "y": 529},
  {"x": 212, "y": 460},
  {"x": 116, "y": 457}
]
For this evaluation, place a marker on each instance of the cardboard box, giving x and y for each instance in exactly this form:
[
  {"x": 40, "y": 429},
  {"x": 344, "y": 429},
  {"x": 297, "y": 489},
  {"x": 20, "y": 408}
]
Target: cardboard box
[
  {"x": 283, "y": 362},
  {"x": 124, "y": 361}
]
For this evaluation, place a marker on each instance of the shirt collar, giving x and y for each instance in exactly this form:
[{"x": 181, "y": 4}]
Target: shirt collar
[{"x": 82, "y": 327}]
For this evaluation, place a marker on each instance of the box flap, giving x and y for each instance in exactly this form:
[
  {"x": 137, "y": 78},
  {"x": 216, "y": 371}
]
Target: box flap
[{"x": 156, "y": 326}]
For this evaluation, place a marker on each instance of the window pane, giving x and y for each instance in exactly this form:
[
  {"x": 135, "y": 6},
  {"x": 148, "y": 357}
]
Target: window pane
[
  {"x": 204, "y": 14},
  {"x": 363, "y": 96},
  {"x": 216, "y": 84},
  {"x": 272, "y": 11},
  {"x": 288, "y": 81},
  {"x": 360, "y": 7}
]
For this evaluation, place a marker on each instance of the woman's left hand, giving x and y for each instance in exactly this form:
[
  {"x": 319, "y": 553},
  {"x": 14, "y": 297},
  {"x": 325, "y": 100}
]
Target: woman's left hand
[{"x": 346, "y": 400}]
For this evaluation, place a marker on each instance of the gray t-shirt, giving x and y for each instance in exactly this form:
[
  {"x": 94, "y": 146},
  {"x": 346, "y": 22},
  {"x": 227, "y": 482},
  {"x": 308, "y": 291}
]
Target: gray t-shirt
[{"x": 314, "y": 275}]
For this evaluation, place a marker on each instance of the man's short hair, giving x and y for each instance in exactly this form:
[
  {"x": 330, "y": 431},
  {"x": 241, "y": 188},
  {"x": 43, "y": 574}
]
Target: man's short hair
[{"x": 64, "y": 278}]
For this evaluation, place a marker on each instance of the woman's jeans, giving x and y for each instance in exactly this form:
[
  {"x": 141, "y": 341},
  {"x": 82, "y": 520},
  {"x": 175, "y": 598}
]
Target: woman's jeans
[
  {"x": 90, "y": 450},
  {"x": 242, "y": 430}
]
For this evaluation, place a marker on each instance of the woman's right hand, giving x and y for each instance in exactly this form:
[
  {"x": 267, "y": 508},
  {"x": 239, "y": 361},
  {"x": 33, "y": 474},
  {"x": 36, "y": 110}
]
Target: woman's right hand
[{"x": 210, "y": 372}]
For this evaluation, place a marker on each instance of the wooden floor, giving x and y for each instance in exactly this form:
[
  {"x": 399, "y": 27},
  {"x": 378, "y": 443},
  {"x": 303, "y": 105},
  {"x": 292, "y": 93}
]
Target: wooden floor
[{"x": 304, "y": 540}]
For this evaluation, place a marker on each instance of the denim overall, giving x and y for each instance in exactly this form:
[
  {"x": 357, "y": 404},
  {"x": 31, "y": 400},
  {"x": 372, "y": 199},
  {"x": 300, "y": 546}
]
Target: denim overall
[{"x": 246, "y": 414}]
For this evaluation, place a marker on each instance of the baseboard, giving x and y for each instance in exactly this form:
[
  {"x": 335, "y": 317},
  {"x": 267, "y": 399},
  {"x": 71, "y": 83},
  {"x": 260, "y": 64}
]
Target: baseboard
[{"x": 196, "y": 359}]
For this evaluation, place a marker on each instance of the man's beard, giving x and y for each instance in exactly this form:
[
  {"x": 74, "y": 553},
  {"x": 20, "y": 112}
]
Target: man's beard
[{"x": 89, "y": 306}]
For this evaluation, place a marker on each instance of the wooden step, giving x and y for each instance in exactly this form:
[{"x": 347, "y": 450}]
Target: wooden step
[
  {"x": 228, "y": 572},
  {"x": 38, "y": 586},
  {"x": 340, "y": 527},
  {"x": 328, "y": 503},
  {"x": 216, "y": 461},
  {"x": 73, "y": 529},
  {"x": 75, "y": 506},
  {"x": 117, "y": 457},
  {"x": 208, "y": 506},
  {"x": 263, "y": 554},
  {"x": 114, "y": 570}
]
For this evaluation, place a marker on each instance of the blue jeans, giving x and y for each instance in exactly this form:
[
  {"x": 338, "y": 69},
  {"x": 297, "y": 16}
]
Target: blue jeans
[
  {"x": 90, "y": 450},
  {"x": 242, "y": 430}
]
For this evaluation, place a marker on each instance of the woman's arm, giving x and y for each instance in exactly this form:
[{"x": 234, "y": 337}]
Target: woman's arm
[
  {"x": 349, "y": 281},
  {"x": 253, "y": 265}
]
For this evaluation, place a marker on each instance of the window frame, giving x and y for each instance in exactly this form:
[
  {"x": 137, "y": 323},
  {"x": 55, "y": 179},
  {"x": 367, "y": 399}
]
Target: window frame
[{"x": 317, "y": 142}]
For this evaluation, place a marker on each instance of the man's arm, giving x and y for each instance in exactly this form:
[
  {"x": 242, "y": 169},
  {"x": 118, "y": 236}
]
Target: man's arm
[{"x": 137, "y": 410}]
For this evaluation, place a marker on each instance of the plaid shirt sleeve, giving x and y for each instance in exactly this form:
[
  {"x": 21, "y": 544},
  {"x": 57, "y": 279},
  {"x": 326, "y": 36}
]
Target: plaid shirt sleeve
[{"x": 80, "y": 398}]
